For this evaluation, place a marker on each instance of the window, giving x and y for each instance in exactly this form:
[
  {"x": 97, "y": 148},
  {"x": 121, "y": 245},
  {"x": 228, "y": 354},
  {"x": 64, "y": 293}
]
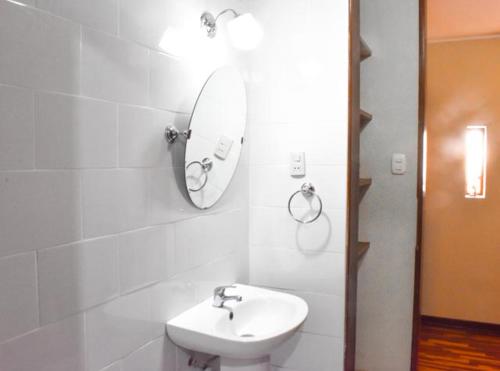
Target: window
[{"x": 475, "y": 161}]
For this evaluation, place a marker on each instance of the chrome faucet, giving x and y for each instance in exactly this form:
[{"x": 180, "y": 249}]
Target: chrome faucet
[{"x": 220, "y": 296}]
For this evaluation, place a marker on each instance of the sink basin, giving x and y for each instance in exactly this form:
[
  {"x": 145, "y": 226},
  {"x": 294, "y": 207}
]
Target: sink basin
[{"x": 260, "y": 322}]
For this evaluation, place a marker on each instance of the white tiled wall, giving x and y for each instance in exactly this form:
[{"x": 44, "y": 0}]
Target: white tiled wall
[
  {"x": 98, "y": 243},
  {"x": 298, "y": 103}
]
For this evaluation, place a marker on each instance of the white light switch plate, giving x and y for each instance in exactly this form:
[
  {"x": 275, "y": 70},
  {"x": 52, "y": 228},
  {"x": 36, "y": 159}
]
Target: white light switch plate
[
  {"x": 297, "y": 164},
  {"x": 398, "y": 163},
  {"x": 223, "y": 147}
]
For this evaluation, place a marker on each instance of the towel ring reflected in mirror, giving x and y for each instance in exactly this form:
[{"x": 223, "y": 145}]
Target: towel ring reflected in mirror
[
  {"x": 308, "y": 191},
  {"x": 205, "y": 165}
]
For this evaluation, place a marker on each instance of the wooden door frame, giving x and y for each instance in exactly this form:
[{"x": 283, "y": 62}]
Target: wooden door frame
[
  {"x": 353, "y": 195},
  {"x": 420, "y": 177}
]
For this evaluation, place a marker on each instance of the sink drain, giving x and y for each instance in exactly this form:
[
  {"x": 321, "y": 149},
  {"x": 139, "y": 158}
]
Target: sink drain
[{"x": 247, "y": 336}]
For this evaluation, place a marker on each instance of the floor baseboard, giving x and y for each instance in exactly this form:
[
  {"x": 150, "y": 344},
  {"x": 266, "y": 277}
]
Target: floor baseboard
[{"x": 461, "y": 324}]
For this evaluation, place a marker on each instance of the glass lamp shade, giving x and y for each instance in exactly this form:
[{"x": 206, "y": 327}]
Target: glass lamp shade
[{"x": 244, "y": 32}]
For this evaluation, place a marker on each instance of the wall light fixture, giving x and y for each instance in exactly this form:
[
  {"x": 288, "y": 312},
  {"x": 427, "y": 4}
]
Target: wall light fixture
[
  {"x": 475, "y": 161},
  {"x": 244, "y": 31}
]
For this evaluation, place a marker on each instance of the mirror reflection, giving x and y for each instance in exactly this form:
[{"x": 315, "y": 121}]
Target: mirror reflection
[{"x": 215, "y": 137}]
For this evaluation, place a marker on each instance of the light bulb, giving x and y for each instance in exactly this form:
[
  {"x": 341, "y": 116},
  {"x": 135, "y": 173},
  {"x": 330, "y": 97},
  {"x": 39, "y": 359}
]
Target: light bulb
[{"x": 244, "y": 32}]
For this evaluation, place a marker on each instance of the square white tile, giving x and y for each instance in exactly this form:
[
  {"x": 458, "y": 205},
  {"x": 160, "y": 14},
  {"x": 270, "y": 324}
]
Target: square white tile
[
  {"x": 117, "y": 328},
  {"x": 306, "y": 352},
  {"x": 56, "y": 347},
  {"x": 44, "y": 51},
  {"x": 114, "y": 69},
  {"x": 144, "y": 257},
  {"x": 39, "y": 209},
  {"x": 18, "y": 290},
  {"x": 298, "y": 270},
  {"x": 114, "y": 201},
  {"x": 326, "y": 313},
  {"x": 116, "y": 366},
  {"x": 175, "y": 84},
  {"x": 204, "y": 239},
  {"x": 98, "y": 14},
  {"x": 76, "y": 277},
  {"x": 75, "y": 132},
  {"x": 159, "y": 355},
  {"x": 16, "y": 128},
  {"x": 145, "y": 22},
  {"x": 171, "y": 298}
]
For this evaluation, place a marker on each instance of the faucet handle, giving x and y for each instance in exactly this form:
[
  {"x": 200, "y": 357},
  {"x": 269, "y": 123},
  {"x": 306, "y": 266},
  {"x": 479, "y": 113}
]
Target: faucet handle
[{"x": 220, "y": 290}]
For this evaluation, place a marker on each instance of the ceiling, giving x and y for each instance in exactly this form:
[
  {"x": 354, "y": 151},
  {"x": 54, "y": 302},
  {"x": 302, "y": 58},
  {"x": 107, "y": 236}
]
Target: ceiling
[{"x": 448, "y": 19}]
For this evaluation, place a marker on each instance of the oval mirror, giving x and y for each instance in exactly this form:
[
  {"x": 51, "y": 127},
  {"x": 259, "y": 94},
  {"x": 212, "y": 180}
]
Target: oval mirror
[{"x": 215, "y": 137}]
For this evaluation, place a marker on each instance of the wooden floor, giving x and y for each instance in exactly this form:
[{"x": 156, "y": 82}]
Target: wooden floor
[{"x": 454, "y": 349}]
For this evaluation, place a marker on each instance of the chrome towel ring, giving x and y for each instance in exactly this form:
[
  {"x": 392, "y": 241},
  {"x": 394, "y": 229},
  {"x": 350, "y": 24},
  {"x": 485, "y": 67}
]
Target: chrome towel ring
[
  {"x": 307, "y": 190},
  {"x": 206, "y": 165}
]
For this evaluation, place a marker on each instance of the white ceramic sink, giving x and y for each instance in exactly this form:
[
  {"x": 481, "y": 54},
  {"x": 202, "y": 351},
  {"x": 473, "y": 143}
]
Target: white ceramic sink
[{"x": 261, "y": 321}]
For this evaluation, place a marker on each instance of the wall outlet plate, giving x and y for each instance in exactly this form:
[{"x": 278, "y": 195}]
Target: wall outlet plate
[{"x": 297, "y": 164}]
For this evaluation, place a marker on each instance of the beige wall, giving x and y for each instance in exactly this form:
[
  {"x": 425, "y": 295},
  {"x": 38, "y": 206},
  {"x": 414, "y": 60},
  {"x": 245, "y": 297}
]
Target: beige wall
[{"x": 461, "y": 254}]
